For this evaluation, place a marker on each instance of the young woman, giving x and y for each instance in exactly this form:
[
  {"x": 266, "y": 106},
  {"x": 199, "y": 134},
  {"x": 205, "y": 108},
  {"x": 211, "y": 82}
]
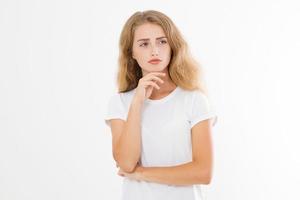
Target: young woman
[{"x": 161, "y": 118}]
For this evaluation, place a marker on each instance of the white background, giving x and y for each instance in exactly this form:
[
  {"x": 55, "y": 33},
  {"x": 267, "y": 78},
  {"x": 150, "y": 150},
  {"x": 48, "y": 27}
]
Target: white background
[{"x": 58, "y": 62}]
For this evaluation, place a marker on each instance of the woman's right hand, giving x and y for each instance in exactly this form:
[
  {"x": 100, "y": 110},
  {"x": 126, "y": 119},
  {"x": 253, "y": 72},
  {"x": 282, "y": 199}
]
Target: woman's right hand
[{"x": 146, "y": 85}]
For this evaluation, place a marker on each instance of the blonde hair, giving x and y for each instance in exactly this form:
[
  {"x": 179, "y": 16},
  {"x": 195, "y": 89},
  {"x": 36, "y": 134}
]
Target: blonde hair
[{"x": 184, "y": 71}]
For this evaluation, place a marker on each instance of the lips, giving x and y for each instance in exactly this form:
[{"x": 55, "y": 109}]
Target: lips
[{"x": 154, "y": 61}]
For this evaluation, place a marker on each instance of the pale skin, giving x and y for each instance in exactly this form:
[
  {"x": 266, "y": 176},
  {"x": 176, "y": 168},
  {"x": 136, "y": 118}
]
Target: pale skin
[{"x": 150, "y": 42}]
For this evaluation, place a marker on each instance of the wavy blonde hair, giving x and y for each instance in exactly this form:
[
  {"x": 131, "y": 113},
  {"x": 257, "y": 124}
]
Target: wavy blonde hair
[{"x": 184, "y": 71}]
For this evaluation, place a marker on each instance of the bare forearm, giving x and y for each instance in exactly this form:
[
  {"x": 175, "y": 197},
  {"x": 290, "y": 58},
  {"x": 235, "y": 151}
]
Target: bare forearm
[
  {"x": 183, "y": 174},
  {"x": 129, "y": 145}
]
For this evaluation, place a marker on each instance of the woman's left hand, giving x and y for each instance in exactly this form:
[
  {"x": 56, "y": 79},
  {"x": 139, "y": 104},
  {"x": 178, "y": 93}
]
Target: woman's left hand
[{"x": 136, "y": 174}]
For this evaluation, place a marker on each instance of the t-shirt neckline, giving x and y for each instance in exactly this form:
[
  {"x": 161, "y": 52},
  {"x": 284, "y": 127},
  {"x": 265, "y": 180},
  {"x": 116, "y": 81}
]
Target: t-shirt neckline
[{"x": 164, "y": 99}]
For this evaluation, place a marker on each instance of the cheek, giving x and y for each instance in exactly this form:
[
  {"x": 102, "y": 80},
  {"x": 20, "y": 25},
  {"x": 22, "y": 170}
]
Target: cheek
[
  {"x": 140, "y": 54},
  {"x": 167, "y": 52},
  {"x": 140, "y": 57}
]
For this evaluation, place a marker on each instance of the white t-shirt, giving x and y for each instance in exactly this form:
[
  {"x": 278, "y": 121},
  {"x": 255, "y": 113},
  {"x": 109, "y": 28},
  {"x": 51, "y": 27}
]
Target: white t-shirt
[{"x": 166, "y": 138}]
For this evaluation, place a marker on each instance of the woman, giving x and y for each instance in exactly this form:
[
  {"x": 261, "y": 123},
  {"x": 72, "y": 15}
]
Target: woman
[{"x": 161, "y": 118}]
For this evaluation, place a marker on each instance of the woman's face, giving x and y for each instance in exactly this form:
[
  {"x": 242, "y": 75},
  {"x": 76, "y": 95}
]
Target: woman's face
[{"x": 150, "y": 42}]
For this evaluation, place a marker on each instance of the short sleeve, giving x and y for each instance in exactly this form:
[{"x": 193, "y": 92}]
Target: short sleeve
[
  {"x": 201, "y": 109},
  {"x": 115, "y": 109}
]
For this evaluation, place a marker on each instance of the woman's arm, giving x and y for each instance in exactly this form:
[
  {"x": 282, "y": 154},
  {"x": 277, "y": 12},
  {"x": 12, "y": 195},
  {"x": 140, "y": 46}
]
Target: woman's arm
[
  {"x": 184, "y": 174},
  {"x": 127, "y": 146},
  {"x": 198, "y": 171}
]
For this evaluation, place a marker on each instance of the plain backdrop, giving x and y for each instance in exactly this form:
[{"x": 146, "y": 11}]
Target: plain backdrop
[{"x": 58, "y": 64}]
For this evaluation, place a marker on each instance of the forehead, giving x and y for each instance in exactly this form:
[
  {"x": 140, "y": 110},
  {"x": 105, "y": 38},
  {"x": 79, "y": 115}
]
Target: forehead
[{"x": 148, "y": 30}]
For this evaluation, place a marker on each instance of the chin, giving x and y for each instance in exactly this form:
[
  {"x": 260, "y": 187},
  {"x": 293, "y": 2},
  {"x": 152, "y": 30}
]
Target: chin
[{"x": 155, "y": 68}]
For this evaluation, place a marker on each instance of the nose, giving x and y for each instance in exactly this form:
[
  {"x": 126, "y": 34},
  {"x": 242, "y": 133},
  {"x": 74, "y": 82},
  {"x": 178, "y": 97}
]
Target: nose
[{"x": 154, "y": 51}]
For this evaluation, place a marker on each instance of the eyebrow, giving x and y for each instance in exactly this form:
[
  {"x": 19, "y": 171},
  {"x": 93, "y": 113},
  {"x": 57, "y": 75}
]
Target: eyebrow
[{"x": 146, "y": 39}]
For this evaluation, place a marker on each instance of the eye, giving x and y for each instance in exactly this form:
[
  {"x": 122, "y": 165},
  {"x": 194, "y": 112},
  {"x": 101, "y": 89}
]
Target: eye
[
  {"x": 143, "y": 44},
  {"x": 163, "y": 41}
]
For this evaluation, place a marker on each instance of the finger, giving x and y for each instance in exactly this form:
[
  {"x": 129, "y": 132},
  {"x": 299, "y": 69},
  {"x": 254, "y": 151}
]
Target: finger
[
  {"x": 157, "y": 73},
  {"x": 152, "y": 84},
  {"x": 154, "y": 78}
]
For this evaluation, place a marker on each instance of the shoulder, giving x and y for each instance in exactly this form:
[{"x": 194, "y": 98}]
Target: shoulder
[
  {"x": 122, "y": 95},
  {"x": 193, "y": 95},
  {"x": 121, "y": 98},
  {"x": 196, "y": 100},
  {"x": 126, "y": 96}
]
